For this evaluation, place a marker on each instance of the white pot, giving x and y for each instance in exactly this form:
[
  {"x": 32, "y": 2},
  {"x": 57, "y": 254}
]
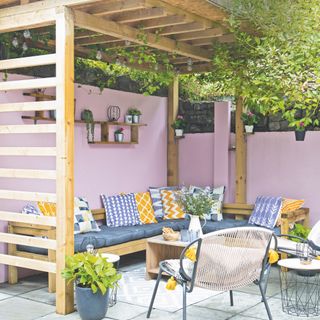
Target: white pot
[
  {"x": 135, "y": 118},
  {"x": 118, "y": 137},
  {"x": 248, "y": 129},
  {"x": 128, "y": 118},
  {"x": 178, "y": 132},
  {"x": 195, "y": 225}
]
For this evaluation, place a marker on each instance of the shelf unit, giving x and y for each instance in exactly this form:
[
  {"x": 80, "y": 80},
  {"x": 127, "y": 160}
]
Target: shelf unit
[{"x": 134, "y": 129}]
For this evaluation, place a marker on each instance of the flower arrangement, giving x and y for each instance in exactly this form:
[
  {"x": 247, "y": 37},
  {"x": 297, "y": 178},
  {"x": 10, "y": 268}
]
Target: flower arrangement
[
  {"x": 119, "y": 131},
  {"x": 249, "y": 118},
  {"x": 300, "y": 126},
  {"x": 179, "y": 123},
  {"x": 198, "y": 204},
  {"x": 134, "y": 112}
]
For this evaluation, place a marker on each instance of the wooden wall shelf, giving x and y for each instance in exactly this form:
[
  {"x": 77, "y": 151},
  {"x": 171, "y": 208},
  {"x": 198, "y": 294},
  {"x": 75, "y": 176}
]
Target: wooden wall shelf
[{"x": 134, "y": 128}]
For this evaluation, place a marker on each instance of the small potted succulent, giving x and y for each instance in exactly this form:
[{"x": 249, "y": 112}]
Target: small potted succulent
[
  {"x": 249, "y": 119},
  {"x": 87, "y": 117},
  {"x": 179, "y": 125},
  {"x": 300, "y": 131},
  {"x": 118, "y": 135},
  {"x": 93, "y": 276},
  {"x": 135, "y": 113}
]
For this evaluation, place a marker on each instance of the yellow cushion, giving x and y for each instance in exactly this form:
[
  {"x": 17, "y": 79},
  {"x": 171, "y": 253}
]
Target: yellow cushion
[
  {"x": 171, "y": 208},
  {"x": 47, "y": 208},
  {"x": 145, "y": 209},
  {"x": 291, "y": 205}
]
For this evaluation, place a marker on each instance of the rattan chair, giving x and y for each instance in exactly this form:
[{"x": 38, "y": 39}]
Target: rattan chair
[{"x": 225, "y": 260}]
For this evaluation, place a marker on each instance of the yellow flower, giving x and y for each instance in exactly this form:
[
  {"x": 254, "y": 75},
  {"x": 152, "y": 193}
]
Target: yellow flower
[
  {"x": 191, "y": 254},
  {"x": 273, "y": 256},
  {"x": 318, "y": 258},
  {"x": 171, "y": 284}
]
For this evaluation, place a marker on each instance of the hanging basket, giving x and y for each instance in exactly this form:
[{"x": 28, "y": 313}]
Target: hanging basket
[
  {"x": 300, "y": 135},
  {"x": 249, "y": 129}
]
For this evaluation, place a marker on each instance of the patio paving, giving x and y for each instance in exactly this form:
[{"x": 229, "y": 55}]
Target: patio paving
[{"x": 30, "y": 300}]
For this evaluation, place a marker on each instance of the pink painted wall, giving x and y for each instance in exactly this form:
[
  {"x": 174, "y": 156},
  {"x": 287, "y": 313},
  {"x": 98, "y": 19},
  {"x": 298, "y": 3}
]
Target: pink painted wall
[{"x": 108, "y": 169}]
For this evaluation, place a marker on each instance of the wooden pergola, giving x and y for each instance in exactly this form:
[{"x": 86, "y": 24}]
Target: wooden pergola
[{"x": 184, "y": 29}]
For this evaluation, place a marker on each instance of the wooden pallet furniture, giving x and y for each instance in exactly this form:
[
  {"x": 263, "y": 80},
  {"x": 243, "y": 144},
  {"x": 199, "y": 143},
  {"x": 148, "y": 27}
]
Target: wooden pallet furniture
[{"x": 18, "y": 229}]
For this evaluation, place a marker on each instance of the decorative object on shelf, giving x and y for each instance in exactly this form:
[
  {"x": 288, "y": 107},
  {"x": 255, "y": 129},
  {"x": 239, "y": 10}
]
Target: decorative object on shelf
[
  {"x": 170, "y": 235},
  {"x": 118, "y": 135},
  {"x": 179, "y": 125},
  {"x": 300, "y": 131},
  {"x": 135, "y": 113},
  {"x": 113, "y": 113},
  {"x": 128, "y": 118},
  {"x": 94, "y": 278},
  {"x": 197, "y": 205},
  {"x": 87, "y": 116},
  {"x": 249, "y": 120}
]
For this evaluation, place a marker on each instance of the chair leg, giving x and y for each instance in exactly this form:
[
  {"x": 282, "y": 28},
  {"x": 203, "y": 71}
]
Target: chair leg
[
  {"x": 264, "y": 299},
  {"x": 231, "y": 298},
  {"x": 184, "y": 309},
  {"x": 154, "y": 293},
  {"x": 265, "y": 280}
]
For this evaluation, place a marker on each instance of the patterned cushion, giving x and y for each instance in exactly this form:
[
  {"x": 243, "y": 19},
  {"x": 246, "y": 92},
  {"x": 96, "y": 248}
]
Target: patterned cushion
[
  {"x": 83, "y": 219},
  {"x": 156, "y": 200},
  {"x": 47, "y": 208},
  {"x": 291, "y": 205},
  {"x": 217, "y": 195},
  {"x": 266, "y": 211},
  {"x": 30, "y": 209},
  {"x": 171, "y": 209},
  {"x": 145, "y": 209},
  {"x": 121, "y": 210}
]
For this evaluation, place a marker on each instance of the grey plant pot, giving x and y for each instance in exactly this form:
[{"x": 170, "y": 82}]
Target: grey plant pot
[
  {"x": 135, "y": 118},
  {"x": 91, "y": 306}
]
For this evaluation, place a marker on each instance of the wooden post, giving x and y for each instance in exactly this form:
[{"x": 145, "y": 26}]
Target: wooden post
[
  {"x": 241, "y": 155},
  {"x": 172, "y": 149},
  {"x": 65, "y": 154}
]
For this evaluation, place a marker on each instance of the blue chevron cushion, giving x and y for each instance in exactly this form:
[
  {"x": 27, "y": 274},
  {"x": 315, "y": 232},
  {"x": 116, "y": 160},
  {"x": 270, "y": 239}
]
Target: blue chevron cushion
[
  {"x": 121, "y": 210},
  {"x": 266, "y": 211}
]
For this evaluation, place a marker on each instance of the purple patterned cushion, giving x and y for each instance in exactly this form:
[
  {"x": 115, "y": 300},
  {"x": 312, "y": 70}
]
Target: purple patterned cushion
[
  {"x": 121, "y": 210},
  {"x": 266, "y": 211}
]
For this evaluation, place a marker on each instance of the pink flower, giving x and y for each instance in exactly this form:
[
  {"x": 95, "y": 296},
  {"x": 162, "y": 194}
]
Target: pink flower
[
  {"x": 179, "y": 117},
  {"x": 250, "y": 114},
  {"x": 301, "y": 124}
]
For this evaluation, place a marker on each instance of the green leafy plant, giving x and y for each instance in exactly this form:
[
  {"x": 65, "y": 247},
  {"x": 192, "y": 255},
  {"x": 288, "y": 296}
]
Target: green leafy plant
[
  {"x": 87, "y": 117},
  {"x": 91, "y": 271},
  {"x": 134, "y": 112},
  {"x": 119, "y": 131},
  {"x": 300, "y": 231},
  {"x": 198, "y": 204},
  {"x": 300, "y": 126},
  {"x": 179, "y": 123},
  {"x": 249, "y": 118}
]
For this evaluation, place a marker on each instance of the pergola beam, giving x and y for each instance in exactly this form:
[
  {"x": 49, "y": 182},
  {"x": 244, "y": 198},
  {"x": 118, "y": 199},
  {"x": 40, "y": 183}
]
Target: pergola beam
[{"x": 124, "y": 32}]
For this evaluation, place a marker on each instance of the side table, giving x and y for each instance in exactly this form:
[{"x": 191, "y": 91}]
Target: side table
[{"x": 300, "y": 287}]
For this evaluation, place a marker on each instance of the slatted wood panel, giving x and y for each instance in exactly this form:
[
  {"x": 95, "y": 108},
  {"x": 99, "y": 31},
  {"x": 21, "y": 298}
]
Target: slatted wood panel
[
  {"x": 34, "y": 61},
  {"x": 28, "y": 84},
  {"x": 27, "y": 174},
  {"x": 28, "y": 263},
  {"x": 29, "y": 128},
  {"x": 27, "y": 218},
  {"x": 27, "y": 196},
  {"x": 28, "y": 151},
  {"x": 28, "y": 106},
  {"x": 28, "y": 241}
]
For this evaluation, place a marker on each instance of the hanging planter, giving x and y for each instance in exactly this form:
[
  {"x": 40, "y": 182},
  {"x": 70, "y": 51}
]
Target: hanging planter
[
  {"x": 249, "y": 129},
  {"x": 178, "y": 125},
  {"x": 300, "y": 135},
  {"x": 178, "y": 132}
]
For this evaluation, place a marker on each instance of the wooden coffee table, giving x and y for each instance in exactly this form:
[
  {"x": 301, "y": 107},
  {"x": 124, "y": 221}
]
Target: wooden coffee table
[{"x": 159, "y": 249}]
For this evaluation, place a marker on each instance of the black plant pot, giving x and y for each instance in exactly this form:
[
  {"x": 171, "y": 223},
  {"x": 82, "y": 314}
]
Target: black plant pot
[
  {"x": 91, "y": 306},
  {"x": 300, "y": 135}
]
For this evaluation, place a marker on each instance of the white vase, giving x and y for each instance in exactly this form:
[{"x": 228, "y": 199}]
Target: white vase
[
  {"x": 135, "y": 118},
  {"x": 128, "y": 118},
  {"x": 178, "y": 132},
  {"x": 195, "y": 225},
  {"x": 248, "y": 129}
]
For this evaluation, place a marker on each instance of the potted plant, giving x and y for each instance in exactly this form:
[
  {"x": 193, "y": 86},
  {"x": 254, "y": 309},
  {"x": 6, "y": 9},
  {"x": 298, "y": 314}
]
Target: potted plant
[
  {"x": 118, "y": 135},
  {"x": 300, "y": 131},
  {"x": 197, "y": 205},
  {"x": 135, "y": 113},
  {"x": 179, "y": 125},
  {"x": 93, "y": 277},
  {"x": 249, "y": 119},
  {"x": 87, "y": 117}
]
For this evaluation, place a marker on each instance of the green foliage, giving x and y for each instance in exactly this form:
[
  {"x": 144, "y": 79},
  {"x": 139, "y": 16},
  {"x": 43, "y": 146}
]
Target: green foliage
[
  {"x": 87, "y": 117},
  {"x": 198, "y": 204},
  {"x": 300, "y": 231},
  {"x": 134, "y": 112},
  {"x": 91, "y": 271},
  {"x": 119, "y": 131},
  {"x": 249, "y": 118},
  {"x": 179, "y": 123}
]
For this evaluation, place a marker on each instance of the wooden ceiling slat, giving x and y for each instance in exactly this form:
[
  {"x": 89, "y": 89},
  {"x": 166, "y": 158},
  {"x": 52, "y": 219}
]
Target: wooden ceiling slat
[
  {"x": 215, "y": 32},
  {"x": 160, "y": 22},
  {"x": 181, "y": 28},
  {"x": 96, "y": 40},
  {"x": 228, "y": 38},
  {"x": 116, "y": 7}
]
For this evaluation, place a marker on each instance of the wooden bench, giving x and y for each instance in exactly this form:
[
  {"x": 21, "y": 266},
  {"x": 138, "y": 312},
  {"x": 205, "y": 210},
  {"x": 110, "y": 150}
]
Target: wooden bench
[{"x": 239, "y": 211}]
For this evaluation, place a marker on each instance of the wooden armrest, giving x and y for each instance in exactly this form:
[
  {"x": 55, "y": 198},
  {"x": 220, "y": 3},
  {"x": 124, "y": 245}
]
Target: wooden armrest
[{"x": 296, "y": 215}]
